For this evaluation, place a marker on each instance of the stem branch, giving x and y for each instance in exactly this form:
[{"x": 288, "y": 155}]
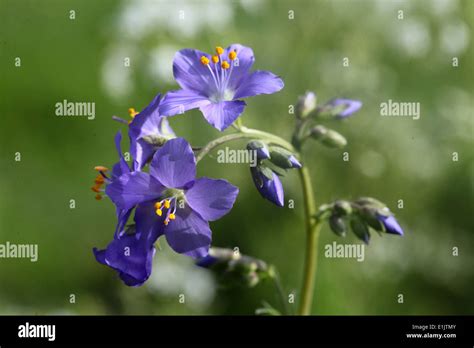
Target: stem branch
[{"x": 244, "y": 133}]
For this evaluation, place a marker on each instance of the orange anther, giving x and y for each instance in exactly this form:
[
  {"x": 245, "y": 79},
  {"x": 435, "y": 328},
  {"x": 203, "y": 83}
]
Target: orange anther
[{"x": 99, "y": 180}]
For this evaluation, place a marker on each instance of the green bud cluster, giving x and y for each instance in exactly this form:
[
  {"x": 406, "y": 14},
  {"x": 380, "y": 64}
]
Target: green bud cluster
[
  {"x": 234, "y": 268},
  {"x": 361, "y": 215},
  {"x": 309, "y": 115}
]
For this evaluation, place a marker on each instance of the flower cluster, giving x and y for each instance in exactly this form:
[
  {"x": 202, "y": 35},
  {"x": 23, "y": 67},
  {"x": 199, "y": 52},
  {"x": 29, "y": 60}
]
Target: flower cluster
[{"x": 159, "y": 188}]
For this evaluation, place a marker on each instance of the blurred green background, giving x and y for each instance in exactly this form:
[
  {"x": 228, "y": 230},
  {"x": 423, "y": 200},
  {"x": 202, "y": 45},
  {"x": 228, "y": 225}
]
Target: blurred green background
[{"x": 81, "y": 59}]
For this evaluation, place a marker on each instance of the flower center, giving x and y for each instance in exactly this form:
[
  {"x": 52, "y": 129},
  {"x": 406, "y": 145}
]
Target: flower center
[
  {"x": 221, "y": 72},
  {"x": 169, "y": 204}
]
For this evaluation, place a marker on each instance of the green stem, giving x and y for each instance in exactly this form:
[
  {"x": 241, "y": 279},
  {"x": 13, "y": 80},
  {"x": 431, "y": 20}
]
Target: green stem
[
  {"x": 275, "y": 276},
  {"x": 313, "y": 227},
  {"x": 244, "y": 133}
]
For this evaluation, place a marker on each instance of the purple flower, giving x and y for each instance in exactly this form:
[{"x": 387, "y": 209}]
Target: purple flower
[
  {"x": 131, "y": 254},
  {"x": 215, "y": 84},
  {"x": 390, "y": 223},
  {"x": 347, "y": 107},
  {"x": 147, "y": 126},
  {"x": 171, "y": 199},
  {"x": 268, "y": 184}
]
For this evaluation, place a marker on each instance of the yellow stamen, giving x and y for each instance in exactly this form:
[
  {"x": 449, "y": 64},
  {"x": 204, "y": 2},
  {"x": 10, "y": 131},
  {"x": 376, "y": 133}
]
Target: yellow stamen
[
  {"x": 98, "y": 197},
  {"x": 101, "y": 168},
  {"x": 225, "y": 65},
  {"x": 232, "y": 55},
  {"x": 157, "y": 205},
  {"x": 167, "y": 204},
  {"x": 159, "y": 212},
  {"x": 204, "y": 60},
  {"x": 166, "y": 222},
  {"x": 215, "y": 59},
  {"x": 96, "y": 188},
  {"x": 172, "y": 216},
  {"x": 219, "y": 50},
  {"x": 132, "y": 112}
]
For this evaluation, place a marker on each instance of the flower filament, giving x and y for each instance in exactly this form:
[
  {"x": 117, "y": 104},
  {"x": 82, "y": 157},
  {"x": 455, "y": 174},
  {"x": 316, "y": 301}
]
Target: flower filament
[
  {"x": 170, "y": 205},
  {"x": 221, "y": 71}
]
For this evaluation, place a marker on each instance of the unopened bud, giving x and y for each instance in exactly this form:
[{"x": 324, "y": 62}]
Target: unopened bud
[
  {"x": 370, "y": 202},
  {"x": 260, "y": 148},
  {"x": 337, "y": 225},
  {"x": 283, "y": 158},
  {"x": 328, "y": 137},
  {"x": 360, "y": 229},
  {"x": 370, "y": 217},
  {"x": 338, "y": 109},
  {"x": 342, "y": 208},
  {"x": 252, "y": 279},
  {"x": 306, "y": 104}
]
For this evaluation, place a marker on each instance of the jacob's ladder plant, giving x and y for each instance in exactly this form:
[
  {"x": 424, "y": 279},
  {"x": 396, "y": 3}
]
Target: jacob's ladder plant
[{"x": 160, "y": 189}]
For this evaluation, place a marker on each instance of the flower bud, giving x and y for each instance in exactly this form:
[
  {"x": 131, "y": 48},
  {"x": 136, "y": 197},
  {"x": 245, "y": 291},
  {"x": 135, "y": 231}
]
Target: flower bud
[
  {"x": 337, "y": 225},
  {"x": 369, "y": 201},
  {"x": 283, "y": 158},
  {"x": 251, "y": 279},
  {"x": 268, "y": 184},
  {"x": 217, "y": 256},
  {"x": 342, "y": 208},
  {"x": 318, "y": 132},
  {"x": 260, "y": 148},
  {"x": 390, "y": 224},
  {"x": 328, "y": 137},
  {"x": 306, "y": 104},
  {"x": 343, "y": 108},
  {"x": 370, "y": 217},
  {"x": 339, "y": 108},
  {"x": 360, "y": 229},
  {"x": 378, "y": 216}
]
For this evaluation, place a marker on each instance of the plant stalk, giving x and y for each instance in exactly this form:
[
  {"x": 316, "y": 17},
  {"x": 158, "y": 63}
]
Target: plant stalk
[{"x": 313, "y": 227}]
